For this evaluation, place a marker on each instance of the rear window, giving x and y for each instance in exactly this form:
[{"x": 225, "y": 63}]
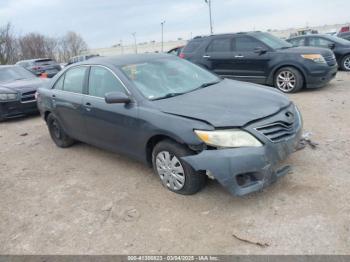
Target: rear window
[
  {"x": 192, "y": 46},
  {"x": 44, "y": 62}
]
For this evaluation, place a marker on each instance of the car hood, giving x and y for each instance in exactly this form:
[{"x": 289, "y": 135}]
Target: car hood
[
  {"x": 24, "y": 85},
  {"x": 229, "y": 103},
  {"x": 307, "y": 50}
]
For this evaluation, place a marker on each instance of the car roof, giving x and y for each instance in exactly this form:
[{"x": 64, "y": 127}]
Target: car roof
[
  {"x": 121, "y": 60},
  {"x": 227, "y": 34}
]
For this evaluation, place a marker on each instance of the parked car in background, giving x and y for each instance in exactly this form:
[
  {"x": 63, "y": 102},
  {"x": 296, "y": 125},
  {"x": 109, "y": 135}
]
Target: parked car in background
[
  {"x": 344, "y": 29},
  {"x": 263, "y": 58},
  {"x": 339, "y": 46},
  {"x": 345, "y": 35},
  {"x": 80, "y": 58},
  {"x": 176, "y": 51},
  {"x": 17, "y": 91},
  {"x": 40, "y": 66},
  {"x": 177, "y": 117}
]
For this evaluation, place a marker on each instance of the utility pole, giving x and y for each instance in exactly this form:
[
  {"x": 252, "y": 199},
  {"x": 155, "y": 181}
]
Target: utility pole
[
  {"x": 162, "y": 24},
  {"x": 211, "y": 21}
]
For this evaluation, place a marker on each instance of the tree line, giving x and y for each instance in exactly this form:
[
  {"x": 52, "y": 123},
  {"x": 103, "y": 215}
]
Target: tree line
[{"x": 35, "y": 45}]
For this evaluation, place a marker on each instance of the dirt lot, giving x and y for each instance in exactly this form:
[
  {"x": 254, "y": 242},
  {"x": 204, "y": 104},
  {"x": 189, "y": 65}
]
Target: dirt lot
[{"x": 85, "y": 200}]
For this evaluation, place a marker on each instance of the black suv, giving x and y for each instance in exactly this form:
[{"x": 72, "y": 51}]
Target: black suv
[
  {"x": 340, "y": 46},
  {"x": 263, "y": 58}
]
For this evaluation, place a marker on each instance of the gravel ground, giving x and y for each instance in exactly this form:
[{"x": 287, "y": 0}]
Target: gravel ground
[{"x": 86, "y": 200}]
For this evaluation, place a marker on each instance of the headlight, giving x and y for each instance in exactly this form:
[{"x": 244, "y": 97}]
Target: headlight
[
  {"x": 8, "y": 97},
  {"x": 228, "y": 138},
  {"x": 317, "y": 58}
]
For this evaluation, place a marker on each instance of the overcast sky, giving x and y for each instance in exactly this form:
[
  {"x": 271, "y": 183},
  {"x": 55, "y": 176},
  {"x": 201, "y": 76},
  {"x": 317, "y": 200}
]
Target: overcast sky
[{"x": 103, "y": 23}]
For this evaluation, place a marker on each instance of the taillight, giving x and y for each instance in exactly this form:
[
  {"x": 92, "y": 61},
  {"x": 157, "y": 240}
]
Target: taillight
[
  {"x": 43, "y": 75},
  {"x": 182, "y": 55}
]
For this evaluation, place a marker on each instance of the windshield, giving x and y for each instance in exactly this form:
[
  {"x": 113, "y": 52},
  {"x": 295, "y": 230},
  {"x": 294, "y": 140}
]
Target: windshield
[
  {"x": 162, "y": 78},
  {"x": 272, "y": 41},
  {"x": 14, "y": 73},
  {"x": 338, "y": 40}
]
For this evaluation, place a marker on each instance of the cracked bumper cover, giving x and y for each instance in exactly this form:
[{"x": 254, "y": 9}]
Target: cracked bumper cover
[{"x": 261, "y": 162}]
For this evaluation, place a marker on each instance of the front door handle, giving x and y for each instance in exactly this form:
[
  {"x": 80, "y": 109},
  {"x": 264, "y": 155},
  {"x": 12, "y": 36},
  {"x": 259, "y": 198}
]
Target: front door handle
[
  {"x": 239, "y": 56},
  {"x": 206, "y": 56}
]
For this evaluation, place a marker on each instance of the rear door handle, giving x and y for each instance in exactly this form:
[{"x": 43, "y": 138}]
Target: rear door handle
[
  {"x": 88, "y": 106},
  {"x": 239, "y": 56},
  {"x": 206, "y": 56}
]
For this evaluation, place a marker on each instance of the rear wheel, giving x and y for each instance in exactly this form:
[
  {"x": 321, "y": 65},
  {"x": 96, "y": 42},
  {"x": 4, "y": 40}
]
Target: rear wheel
[
  {"x": 57, "y": 134},
  {"x": 288, "y": 80},
  {"x": 345, "y": 63},
  {"x": 175, "y": 174}
]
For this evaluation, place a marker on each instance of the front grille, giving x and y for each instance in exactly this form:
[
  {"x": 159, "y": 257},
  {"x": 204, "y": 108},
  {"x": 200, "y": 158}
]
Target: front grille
[
  {"x": 331, "y": 60},
  {"x": 277, "y": 131},
  {"x": 28, "y": 97}
]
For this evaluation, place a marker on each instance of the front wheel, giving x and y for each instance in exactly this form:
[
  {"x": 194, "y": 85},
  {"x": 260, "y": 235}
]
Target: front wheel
[
  {"x": 57, "y": 134},
  {"x": 288, "y": 80},
  {"x": 345, "y": 63},
  {"x": 175, "y": 174}
]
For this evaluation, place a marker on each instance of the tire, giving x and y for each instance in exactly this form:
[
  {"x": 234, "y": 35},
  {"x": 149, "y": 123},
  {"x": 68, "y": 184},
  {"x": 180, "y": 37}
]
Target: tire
[
  {"x": 288, "y": 80},
  {"x": 345, "y": 63},
  {"x": 181, "y": 178},
  {"x": 57, "y": 134}
]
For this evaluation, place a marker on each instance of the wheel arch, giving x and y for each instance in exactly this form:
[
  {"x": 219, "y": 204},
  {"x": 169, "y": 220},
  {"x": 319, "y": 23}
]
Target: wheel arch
[
  {"x": 46, "y": 114},
  {"x": 155, "y": 139},
  {"x": 272, "y": 75}
]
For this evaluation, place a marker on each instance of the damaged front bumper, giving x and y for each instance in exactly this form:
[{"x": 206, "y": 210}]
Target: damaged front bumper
[{"x": 249, "y": 169}]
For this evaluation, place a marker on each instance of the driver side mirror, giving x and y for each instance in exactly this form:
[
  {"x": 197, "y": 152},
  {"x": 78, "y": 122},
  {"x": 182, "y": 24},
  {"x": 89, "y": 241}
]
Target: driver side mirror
[
  {"x": 260, "y": 50},
  {"x": 117, "y": 98},
  {"x": 331, "y": 46}
]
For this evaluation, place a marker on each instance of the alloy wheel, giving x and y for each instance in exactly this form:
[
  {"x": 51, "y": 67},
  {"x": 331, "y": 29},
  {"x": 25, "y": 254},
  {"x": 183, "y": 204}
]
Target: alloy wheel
[
  {"x": 286, "y": 81},
  {"x": 347, "y": 63},
  {"x": 170, "y": 170}
]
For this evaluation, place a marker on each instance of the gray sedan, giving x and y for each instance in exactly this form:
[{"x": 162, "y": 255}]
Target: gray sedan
[{"x": 185, "y": 122}]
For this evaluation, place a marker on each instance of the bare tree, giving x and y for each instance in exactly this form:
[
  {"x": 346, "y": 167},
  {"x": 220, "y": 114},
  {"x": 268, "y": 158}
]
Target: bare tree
[
  {"x": 8, "y": 45},
  {"x": 35, "y": 45},
  {"x": 72, "y": 44}
]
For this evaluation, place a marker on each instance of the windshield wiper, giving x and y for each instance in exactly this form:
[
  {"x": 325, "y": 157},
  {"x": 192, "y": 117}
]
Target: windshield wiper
[
  {"x": 207, "y": 84},
  {"x": 181, "y": 93},
  {"x": 167, "y": 96}
]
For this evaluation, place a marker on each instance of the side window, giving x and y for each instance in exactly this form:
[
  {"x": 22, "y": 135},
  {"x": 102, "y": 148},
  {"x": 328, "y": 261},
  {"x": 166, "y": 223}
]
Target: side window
[
  {"x": 74, "y": 80},
  {"x": 220, "y": 45},
  {"x": 298, "y": 41},
  {"x": 102, "y": 81},
  {"x": 59, "y": 83},
  {"x": 192, "y": 46},
  {"x": 246, "y": 44},
  {"x": 318, "y": 41}
]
